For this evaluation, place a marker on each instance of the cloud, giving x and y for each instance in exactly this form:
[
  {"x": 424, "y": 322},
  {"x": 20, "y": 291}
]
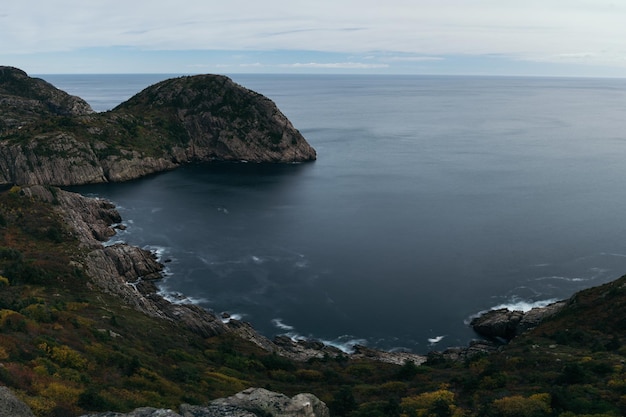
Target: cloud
[
  {"x": 590, "y": 31},
  {"x": 335, "y": 65}
]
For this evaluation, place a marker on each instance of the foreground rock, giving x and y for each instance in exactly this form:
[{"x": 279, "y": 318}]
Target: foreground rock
[
  {"x": 48, "y": 137},
  {"x": 505, "y": 324},
  {"x": 253, "y": 402},
  {"x": 10, "y": 406}
]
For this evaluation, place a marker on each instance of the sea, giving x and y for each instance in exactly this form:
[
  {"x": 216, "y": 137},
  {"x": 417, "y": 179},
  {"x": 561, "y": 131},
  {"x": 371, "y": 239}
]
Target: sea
[{"x": 433, "y": 199}]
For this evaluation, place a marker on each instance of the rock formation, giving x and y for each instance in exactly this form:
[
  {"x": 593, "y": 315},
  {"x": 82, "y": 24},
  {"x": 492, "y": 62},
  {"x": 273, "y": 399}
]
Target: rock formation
[
  {"x": 253, "y": 402},
  {"x": 48, "y": 137},
  {"x": 505, "y": 324},
  {"x": 11, "y": 406}
]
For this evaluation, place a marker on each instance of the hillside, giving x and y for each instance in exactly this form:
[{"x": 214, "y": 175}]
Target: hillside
[
  {"x": 83, "y": 330},
  {"x": 49, "y": 137},
  {"x": 69, "y": 345}
]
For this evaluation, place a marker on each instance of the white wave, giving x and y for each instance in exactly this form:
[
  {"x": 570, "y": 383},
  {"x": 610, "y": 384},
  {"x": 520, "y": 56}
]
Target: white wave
[
  {"x": 113, "y": 241},
  {"x": 257, "y": 259},
  {"x": 228, "y": 317},
  {"x": 514, "y": 305},
  {"x": 281, "y": 325},
  {"x": 560, "y": 278},
  {"x": 436, "y": 339},
  {"x": 180, "y": 298},
  {"x": 223, "y": 210},
  {"x": 619, "y": 255},
  {"x": 524, "y": 305},
  {"x": 302, "y": 264},
  {"x": 345, "y": 343},
  {"x": 158, "y": 251}
]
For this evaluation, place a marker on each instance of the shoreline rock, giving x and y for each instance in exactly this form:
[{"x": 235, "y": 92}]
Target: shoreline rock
[{"x": 504, "y": 324}]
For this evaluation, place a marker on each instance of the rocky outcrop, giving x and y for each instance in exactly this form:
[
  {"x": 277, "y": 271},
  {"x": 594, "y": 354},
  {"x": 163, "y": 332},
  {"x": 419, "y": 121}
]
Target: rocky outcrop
[
  {"x": 505, "y": 324},
  {"x": 57, "y": 158},
  {"x": 25, "y": 100},
  {"x": 275, "y": 404},
  {"x": 125, "y": 271},
  {"x": 253, "y": 402},
  {"x": 11, "y": 406},
  {"x": 48, "y": 137}
]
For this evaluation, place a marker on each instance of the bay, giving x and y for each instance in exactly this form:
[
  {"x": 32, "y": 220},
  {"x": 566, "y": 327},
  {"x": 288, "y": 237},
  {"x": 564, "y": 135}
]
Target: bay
[{"x": 432, "y": 199}]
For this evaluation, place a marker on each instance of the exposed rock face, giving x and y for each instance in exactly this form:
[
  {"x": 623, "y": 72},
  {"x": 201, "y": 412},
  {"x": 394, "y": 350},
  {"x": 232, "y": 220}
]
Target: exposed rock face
[
  {"x": 11, "y": 406},
  {"x": 56, "y": 158},
  {"x": 253, "y": 402},
  {"x": 126, "y": 271},
  {"x": 48, "y": 137},
  {"x": 506, "y": 324}
]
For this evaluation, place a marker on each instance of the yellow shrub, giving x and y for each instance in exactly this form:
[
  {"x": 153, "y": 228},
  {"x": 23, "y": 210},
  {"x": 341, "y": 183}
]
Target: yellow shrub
[
  {"x": 518, "y": 406},
  {"x": 75, "y": 306},
  {"x": 309, "y": 375},
  {"x": 39, "y": 405},
  {"x": 60, "y": 393},
  {"x": 226, "y": 382},
  {"x": 4, "y": 355},
  {"x": 427, "y": 403},
  {"x": 64, "y": 356},
  {"x": 4, "y": 281}
]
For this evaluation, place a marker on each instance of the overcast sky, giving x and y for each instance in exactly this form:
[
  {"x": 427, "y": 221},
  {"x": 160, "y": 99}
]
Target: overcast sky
[{"x": 491, "y": 37}]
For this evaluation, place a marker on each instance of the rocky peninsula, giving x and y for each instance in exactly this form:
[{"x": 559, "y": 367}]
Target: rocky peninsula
[{"x": 49, "y": 137}]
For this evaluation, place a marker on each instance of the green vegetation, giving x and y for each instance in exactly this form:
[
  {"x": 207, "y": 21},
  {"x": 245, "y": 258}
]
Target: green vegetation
[{"x": 67, "y": 349}]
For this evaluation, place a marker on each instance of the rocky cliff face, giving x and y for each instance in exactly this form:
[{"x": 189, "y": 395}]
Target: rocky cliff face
[{"x": 49, "y": 137}]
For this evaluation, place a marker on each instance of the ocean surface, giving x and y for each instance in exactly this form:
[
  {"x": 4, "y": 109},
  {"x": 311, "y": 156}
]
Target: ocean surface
[{"x": 432, "y": 199}]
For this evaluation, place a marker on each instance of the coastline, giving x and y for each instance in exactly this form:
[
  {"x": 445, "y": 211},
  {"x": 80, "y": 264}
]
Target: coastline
[{"x": 131, "y": 273}]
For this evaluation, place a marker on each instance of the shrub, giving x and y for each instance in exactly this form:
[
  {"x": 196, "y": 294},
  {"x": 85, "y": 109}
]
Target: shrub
[
  {"x": 536, "y": 405},
  {"x": 439, "y": 403}
]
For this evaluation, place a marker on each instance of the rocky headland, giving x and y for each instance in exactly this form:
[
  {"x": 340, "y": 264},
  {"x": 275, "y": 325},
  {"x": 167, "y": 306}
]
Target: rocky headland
[{"x": 49, "y": 137}]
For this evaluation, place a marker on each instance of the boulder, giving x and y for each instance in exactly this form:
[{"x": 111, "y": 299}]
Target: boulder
[
  {"x": 275, "y": 404},
  {"x": 11, "y": 406}
]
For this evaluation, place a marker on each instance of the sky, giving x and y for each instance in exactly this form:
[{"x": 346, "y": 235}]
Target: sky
[{"x": 461, "y": 37}]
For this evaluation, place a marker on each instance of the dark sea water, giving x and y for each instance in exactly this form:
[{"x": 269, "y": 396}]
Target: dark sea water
[{"x": 433, "y": 198}]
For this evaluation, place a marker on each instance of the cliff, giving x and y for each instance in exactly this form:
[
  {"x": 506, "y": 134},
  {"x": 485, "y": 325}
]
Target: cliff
[{"x": 49, "y": 137}]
